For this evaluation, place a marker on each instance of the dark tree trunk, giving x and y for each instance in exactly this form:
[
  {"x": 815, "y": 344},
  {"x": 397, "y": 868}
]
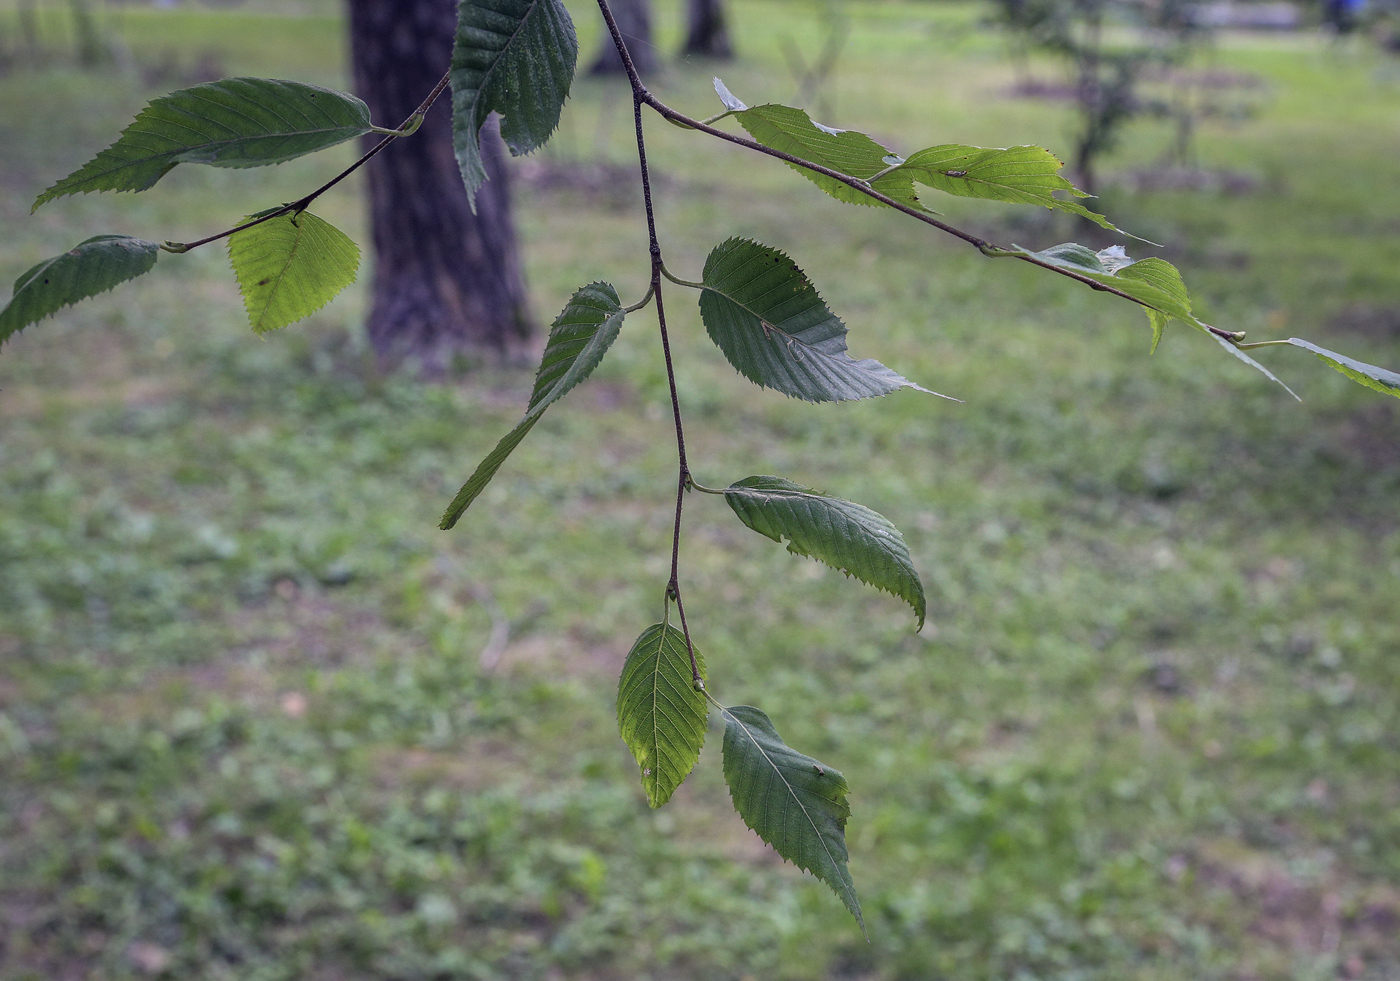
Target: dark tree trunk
[
  {"x": 447, "y": 282},
  {"x": 706, "y": 33},
  {"x": 634, "y": 21}
]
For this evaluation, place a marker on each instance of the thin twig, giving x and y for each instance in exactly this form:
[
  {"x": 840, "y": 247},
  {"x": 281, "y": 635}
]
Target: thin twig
[
  {"x": 985, "y": 247},
  {"x": 301, "y": 204},
  {"x": 639, "y": 92}
]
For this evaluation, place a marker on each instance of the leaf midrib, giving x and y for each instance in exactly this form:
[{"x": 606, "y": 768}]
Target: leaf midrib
[
  {"x": 501, "y": 56},
  {"x": 282, "y": 274},
  {"x": 769, "y": 325},
  {"x": 793, "y": 793},
  {"x": 138, "y": 161}
]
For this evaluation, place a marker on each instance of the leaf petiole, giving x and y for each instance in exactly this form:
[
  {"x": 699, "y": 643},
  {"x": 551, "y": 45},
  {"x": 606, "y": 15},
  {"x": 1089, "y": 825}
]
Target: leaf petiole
[
  {"x": 678, "y": 281},
  {"x": 694, "y": 485}
]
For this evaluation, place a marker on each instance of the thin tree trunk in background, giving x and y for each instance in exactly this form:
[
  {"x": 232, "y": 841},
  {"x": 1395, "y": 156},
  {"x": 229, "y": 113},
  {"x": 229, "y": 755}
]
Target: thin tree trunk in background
[
  {"x": 447, "y": 282},
  {"x": 707, "y": 34},
  {"x": 29, "y": 30},
  {"x": 634, "y": 21}
]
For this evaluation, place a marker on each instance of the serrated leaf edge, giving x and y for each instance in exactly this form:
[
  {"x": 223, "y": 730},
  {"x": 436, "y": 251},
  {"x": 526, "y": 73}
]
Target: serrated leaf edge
[{"x": 851, "y": 900}]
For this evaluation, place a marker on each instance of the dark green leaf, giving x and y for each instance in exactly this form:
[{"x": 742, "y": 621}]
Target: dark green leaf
[
  {"x": 581, "y": 335},
  {"x": 770, "y": 323},
  {"x": 514, "y": 57},
  {"x": 1381, "y": 379},
  {"x": 290, "y": 266},
  {"x": 660, "y": 714},
  {"x": 845, "y": 535},
  {"x": 1018, "y": 175},
  {"x": 793, "y": 802},
  {"x": 793, "y": 132},
  {"x": 235, "y": 122},
  {"x": 93, "y": 267}
]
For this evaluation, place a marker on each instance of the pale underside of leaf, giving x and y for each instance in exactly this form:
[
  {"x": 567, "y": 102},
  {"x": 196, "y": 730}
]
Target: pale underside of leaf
[
  {"x": 514, "y": 57},
  {"x": 793, "y": 802},
  {"x": 234, "y": 122},
  {"x": 844, "y": 535},
  {"x": 93, "y": 266},
  {"x": 1378, "y": 379},
  {"x": 774, "y": 328},
  {"x": 579, "y": 338},
  {"x": 290, "y": 266},
  {"x": 660, "y": 715}
]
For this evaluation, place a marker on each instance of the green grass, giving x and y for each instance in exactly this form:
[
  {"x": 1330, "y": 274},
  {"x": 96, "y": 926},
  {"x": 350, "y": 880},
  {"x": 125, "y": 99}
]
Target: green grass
[{"x": 246, "y": 725}]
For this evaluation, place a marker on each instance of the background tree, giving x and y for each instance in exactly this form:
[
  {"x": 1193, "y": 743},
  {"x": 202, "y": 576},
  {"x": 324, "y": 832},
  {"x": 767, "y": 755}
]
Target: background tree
[
  {"x": 707, "y": 30},
  {"x": 634, "y": 20},
  {"x": 447, "y": 280}
]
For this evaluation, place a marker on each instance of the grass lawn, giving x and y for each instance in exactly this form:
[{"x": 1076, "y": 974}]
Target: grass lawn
[{"x": 260, "y": 720}]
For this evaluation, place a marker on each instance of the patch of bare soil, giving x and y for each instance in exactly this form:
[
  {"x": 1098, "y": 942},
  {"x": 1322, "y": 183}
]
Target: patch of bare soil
[
  {"x": 303, "y": 627},
  {"x": 1287, "y": 914},
  {"x": 1373, "y": 436},
  {"x": 1201, "y": 179},
  {"x": 611, "y": 186},
  {"x": 1381, "y": 322}
]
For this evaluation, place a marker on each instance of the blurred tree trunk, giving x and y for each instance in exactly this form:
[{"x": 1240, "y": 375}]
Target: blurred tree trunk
[
  {"x": 634, "y": 21},
  {"x": 447, "y": 282},
  {"x": 707, "y": 34}
]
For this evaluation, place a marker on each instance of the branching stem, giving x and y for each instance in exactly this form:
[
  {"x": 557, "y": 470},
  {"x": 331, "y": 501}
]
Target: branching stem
[
  {"x": 409, "y": 127},
  {"x": 639, "y": 94}
]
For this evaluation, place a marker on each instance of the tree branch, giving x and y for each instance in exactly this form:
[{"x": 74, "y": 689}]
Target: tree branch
[
  {"x": 409, "y": 127},
  {"x": 982, "y": 245},
  {"x": 639, "y": 94}
]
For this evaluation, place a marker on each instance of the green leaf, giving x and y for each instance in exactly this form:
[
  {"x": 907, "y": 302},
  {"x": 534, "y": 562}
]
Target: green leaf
[
  {"x": 845, "y": 535},
  {"x": 793, "y": 132},
  {"x": 770, "y": 323},
  {"x": 660, "y": 714},
  {"x": 93, "y": 267},
  {"x": 235, "y": 122},
  {"x": 1381, "y": 379},
  {"x": 793, "y": 802},
  {"x": 1017, "y": 175},
  {"x": 290, "y": 266},
  {"x": 1155, "y": 282},
  {"x": 581, "y": 335},
  {"x": 514, "y": 57}
]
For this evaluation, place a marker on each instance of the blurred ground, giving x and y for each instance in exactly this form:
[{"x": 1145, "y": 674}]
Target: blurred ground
[{"x": 247, "y": 729}]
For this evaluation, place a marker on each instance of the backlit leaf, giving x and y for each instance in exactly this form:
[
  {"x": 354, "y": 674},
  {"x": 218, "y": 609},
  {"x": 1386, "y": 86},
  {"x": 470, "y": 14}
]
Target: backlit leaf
[
  {"x": 1017, "y": 175},
  {"x": 660, "y": 714},
  {"x": 92, "y": 267},
  {"x": 793, "y": 132},
  {"x": 581, "y": 335},
  {"x": 514, "y": 57},
  {"x": 845, "y": 535},
  {"x": 770, "y": 323},
  {"x": 1155, "y": 282},
  {"x": 791, "y": 801},
  {"x": 290, "y": 266},
  {"x": 235, "y": 122}
]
